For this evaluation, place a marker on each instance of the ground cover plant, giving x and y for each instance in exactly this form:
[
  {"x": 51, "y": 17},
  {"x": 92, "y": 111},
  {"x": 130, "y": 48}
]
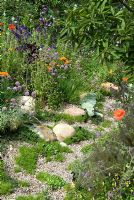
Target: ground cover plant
[{"x": 54, "y": 54}]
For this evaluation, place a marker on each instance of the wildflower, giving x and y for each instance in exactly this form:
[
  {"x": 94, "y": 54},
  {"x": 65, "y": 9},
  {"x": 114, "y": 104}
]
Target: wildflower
[
  {"x": 11, "y": 27},
  {"x": 33, "y": 94},
  {"x": 15, "y": 89},
  {"x": 17, "y": 83},
  {"x": 26, "y": 93},
  {"x": 1, "y": 23},
  {"x": 119, "y": 114},
  {"x": 125, "y": 79},
  {"x": 4, "y": 74},
  {"x": 63, "y": 59}
]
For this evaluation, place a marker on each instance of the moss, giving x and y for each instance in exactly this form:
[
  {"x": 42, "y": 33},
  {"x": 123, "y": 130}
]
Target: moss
[
  {"x": 7, "y": 184},
  {"x": 80, "y": 135},
  {"x": 23, "y": 184},
  {"x": 42, "y": 196},
  {"x": 53, "y": 150},
  {"x": 27, "y": 159},
  {"x": 53, "y": 181}
]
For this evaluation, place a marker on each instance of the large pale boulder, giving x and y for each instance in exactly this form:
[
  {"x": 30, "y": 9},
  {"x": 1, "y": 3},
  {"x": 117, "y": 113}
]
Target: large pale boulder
[
  {"x": 63, "y": 131},
  {"x": 74, "y": 111},
  {"x": 27, "y": 104}
]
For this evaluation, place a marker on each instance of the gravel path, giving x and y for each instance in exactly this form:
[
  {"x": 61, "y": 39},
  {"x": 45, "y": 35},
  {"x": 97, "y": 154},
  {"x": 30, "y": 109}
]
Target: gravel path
[{"x": 57, "y": 168}]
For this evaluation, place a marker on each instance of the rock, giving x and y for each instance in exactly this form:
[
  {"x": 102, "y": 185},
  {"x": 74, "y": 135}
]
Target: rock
[
  {"x": 109, "y": 86},
  {"x": 63, "y": 144},
  {"x": 27, "y": 104},
  {"x": 63, "y": 131},
  {"x": 45, "y": 133},
  {"x": 74, "y": 111}
]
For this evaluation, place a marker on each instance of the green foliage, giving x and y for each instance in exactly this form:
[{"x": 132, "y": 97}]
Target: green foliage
[
  {"x": 56, "y": 117},
  {"x": 53, "y": 181},
  {"x": 75, "y": 194},
  {"x": 104, "y": 27},
  {"x": 88, "y": 103},
  {"x": 27, "y": 159},
  {"x": 80, "y": 135},
  {"x": 7, "y": 184},
  {"x": 10, "y": 120},
  {"x": 23, "y": 184},
  {"x": 87, "y": 149},
  {"x": 42, "y": 196},
  {"x": 53, "y": 151}
]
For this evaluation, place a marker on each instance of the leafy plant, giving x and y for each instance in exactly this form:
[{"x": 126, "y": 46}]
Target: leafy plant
[
  {"x": 42, "y": 196},
  {"x": 88, "y": 103},
  {"x": 55, "y": 182},
  {"x": 80, "y": 135}
]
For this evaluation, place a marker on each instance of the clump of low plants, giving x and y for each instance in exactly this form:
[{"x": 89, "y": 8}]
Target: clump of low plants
[
  {"x": 80, "y": 135},
  {"x": 53, "y": 151},
  {"x": 27, "y": 159},
  {"x": 7, "y": 184},
  {"x": 54, "y": 182}
]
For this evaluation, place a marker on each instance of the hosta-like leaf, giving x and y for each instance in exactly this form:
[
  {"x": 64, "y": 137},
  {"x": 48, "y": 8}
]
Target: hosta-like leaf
[{"x": 88, "y": 103}]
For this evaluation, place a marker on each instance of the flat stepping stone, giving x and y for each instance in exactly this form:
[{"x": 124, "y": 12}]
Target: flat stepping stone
[
  {"x": 63, "y": 131},
  {"x": 45, "y": 133},
  {"x": 74, "y": 111}
]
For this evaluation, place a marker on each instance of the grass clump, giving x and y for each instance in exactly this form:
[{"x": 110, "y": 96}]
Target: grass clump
[
  {"x": 80, "y": 135},
  {"x": 7, "y": 184},
  {"x": 42, "y": 196},
  {"x": 53, "y": 151},
  {"x": 23, "y": 184},
  {"x": 27, "y": 159},
  {"x": 55, "y": 182}
]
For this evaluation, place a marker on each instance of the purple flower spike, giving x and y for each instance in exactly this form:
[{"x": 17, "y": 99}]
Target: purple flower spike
[
  {"x": 26, "y": 93},
  {"x": 33, "y": 94},
  {"x": 17, "y": 83},
  {"x": 15, "y": 89}
]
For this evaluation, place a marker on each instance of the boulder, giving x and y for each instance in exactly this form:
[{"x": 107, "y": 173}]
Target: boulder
[
  {"x": 27, "y": 104},
  {"x": 45, "y": 133},
  {"x": 74, "y": 111},
  {"x": 63, "y": 131}
]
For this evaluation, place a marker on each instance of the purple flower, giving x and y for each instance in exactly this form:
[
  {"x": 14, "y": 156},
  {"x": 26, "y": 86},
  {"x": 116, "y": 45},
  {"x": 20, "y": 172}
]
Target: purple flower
[
  {"x": 20, "y": 88},
  {"x": 15, "y": 89},
  {"x": 26, "y": 93},
  {"x": 17, "y": 83},
  {"x": 33, "y": 94}
]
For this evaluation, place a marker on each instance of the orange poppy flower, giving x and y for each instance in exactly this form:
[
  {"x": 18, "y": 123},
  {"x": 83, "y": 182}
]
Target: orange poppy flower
[
  {"x": 66, "y": 62},
  {"x": 119, "y": 114},
  {"x": 1, "y": 23},
  {"x": 125, "y": 79},
  {"x": 4, "y": 74},
  {"x": 11, "y": 27}
]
